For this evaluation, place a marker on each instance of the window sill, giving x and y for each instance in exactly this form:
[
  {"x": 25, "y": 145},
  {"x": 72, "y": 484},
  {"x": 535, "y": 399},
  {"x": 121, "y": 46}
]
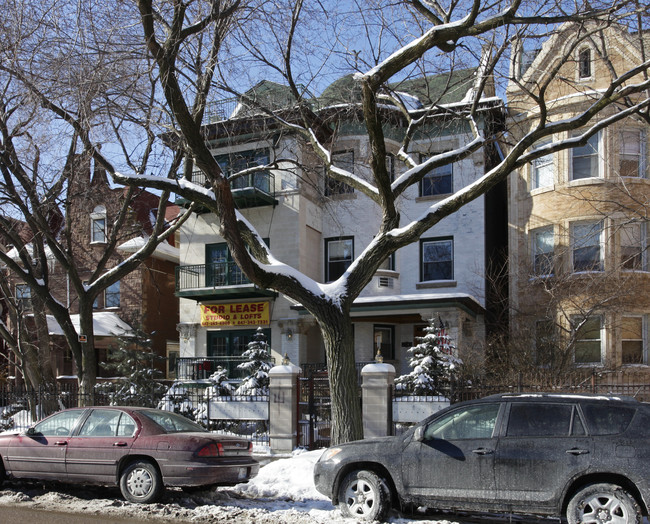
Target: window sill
[
  {"x": 542, "y": 190},
  {"x": 586, "y": 181},
  {"x": 430, "y": 198},
  {"x": 435, "y": 284}
]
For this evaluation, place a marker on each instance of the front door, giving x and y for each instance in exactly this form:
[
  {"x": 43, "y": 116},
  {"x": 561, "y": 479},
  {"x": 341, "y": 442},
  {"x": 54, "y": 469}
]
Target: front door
[
  {"x": 95, "y": 450},
  {"x": 41, "y": 452},
  {"x": 455, "y": 459}
]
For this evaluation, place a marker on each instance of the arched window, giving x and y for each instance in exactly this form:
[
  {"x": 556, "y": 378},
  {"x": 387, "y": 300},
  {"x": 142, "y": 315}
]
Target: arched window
[{"x": 584, "y": 63}]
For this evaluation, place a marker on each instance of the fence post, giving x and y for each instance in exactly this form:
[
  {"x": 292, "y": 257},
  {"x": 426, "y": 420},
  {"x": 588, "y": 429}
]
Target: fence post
[
  {"x": 283, "y": 407},
  {"x": 377, "y": 384}
]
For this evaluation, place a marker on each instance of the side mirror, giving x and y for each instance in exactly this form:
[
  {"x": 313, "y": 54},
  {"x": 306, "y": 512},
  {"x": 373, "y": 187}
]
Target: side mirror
[
  {"x": 31, "y": 432},
  {"x": 419, "y": 434}
]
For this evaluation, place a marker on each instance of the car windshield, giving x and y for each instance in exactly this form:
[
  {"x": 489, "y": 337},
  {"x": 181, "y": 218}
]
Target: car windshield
[{"x": 172, "y": 422}]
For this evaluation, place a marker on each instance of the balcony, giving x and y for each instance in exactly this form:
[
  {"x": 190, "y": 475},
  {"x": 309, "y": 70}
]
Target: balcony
[
  {"x": 218, "y": 280},
  {"x": 253, "y": 190}
]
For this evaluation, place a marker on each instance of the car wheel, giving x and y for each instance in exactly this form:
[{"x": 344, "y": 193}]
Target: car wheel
[
  {"x": 598, "y": 503},
  {"x": 141, "y": 482},
  {"x": 364, "y": 495}
]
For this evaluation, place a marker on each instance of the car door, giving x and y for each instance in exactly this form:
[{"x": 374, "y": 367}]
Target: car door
[
  {"x": 543, "y": 447},
  {"x": 40, "y": 453},
  {"x": 93, "y": 452},
  {"x": 454, "y": 458}
]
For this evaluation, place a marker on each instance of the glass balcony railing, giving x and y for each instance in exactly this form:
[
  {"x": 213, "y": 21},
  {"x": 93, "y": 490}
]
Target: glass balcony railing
[{"x": 253, "y": 190}]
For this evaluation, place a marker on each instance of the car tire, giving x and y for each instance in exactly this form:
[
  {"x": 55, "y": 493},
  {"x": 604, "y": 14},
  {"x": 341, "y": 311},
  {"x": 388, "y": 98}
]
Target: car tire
[
  {"x": 364, "y": 495},
  {"x": 603, "y": 503},
  {"x": 141, "y": 482}
]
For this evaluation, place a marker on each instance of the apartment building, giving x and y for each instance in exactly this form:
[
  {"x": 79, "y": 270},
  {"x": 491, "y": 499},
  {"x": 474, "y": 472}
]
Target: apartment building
[
  {"x": 319, "y": 225},
  {"x": 579, "y": 280}
]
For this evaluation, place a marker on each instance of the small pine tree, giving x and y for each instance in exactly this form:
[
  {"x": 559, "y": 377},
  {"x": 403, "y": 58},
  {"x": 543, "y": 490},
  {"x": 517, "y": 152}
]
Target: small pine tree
[
  {"x": 132, "y": 363},
  {"x": 257, "y": 367},
  {"x": 432, "y": 361}
]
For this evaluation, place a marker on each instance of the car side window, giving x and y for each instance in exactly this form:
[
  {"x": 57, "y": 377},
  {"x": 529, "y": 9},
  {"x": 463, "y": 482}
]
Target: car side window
[
  {"x": 126, "y": 427},
  {"x": 543, "y": 420},
  {"x": 607, "y": 420},
  {"x": 60, "y": 425},
  {"x": 101, "y": 423},
  {"x": 473, "y": 422}
]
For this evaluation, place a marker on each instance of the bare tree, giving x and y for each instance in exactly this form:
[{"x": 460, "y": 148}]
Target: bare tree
[
  {"x": 61, "y": 99},
  {"x": 401, "y": 40}
]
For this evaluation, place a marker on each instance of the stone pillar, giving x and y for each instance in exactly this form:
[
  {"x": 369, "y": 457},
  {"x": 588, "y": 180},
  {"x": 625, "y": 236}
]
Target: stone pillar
[
  {"x": 283, "y": 407},
  {"x": 377, "y": 384}
]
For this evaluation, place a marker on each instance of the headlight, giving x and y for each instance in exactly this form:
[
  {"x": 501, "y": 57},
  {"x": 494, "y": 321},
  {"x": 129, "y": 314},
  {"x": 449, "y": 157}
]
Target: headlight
[{"x": 329, "y": 454}]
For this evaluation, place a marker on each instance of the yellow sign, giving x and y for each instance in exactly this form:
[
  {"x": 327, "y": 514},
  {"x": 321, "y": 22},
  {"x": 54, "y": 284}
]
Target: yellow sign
[{"x": 239, "y": 314}]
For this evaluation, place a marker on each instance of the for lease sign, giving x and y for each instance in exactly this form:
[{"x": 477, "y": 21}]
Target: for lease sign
[{"x": 236, "y": 314}]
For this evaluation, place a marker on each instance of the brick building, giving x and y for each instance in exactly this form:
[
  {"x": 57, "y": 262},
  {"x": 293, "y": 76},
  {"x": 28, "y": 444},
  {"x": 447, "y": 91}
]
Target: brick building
[{"x": 579, "y": 280}]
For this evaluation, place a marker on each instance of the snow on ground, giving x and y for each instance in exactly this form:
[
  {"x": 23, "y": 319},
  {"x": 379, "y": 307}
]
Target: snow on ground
[{"x": 283, "y": 492}]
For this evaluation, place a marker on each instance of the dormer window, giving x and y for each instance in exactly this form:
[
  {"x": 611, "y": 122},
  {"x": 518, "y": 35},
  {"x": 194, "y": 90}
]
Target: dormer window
[
  {"x": 584, "y": 63},
  {"x": 98, "y": 225}
]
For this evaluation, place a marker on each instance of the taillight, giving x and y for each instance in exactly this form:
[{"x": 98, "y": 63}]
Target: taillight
[
  {"x": 250, "y": 448},
  {"x": 211, "y": 450}
]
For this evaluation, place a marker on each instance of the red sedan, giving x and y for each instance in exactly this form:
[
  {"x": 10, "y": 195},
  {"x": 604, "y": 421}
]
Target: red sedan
[{"x": 140, "y": 449}]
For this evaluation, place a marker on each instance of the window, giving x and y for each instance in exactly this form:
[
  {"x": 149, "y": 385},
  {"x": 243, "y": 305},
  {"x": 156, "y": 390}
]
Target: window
[
  {"x": 542, "y": 247},
  {"x": 543, "y": 420},
  {"x": 543, "y": 171},
  {"x": 607, "y": 420},
  {"x": 225, "y": 349},
  {"x": 584, "y": 63},
  {"x": 586, "y": 246},
  {"x": 24, "y": 297},
  {"x": 633, "y": 246},
  {"x": 545, "y": 342},
  {"x": 343, "y": 160},
  {"x": 389, "y": 263},
  {"x": 383, "y": 341},
  {"x": 60, "y": 425},
  {"x": 475, "y": 422},
  {"x": 112, "y": 295},
  {"x": 233, "y": 163},
  {"x": 588, "y": 341},
  {"x": 439, "y": 181},
  {"x": 632, "y": 153},
  {"x": 103, "y": 423},
  {"x": 98, "y": 225},
  {"x": 585, "y": 159},
  {"x": 437, "y": 259},
  {"x": 338, "y": 257},
  {"x": 632, "y": 340}
]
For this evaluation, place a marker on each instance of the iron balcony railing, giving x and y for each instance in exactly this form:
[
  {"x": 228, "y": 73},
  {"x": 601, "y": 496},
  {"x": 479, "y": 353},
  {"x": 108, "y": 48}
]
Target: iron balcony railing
[{"x": 216, "y": 274}]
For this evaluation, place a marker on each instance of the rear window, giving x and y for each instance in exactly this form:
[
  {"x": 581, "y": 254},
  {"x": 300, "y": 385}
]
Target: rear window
[
  {"x": 172, "y": 422},
  {"x": 607, "y": 420}
]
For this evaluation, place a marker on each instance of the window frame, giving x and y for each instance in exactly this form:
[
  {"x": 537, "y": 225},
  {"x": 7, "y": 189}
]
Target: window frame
[
  {"x": 643, "y": 339},
  {"x": 438, "y": 173},
  {"x": 537, "y": 254},
  {"x": 110, "y": 292},
  {"x": 23, "y": 294},
  {"x": 582, "y": 152},
  {"x": 640, "y": 249},
  {"x": 574, "y": 247},
  {"x": 379, "y": 329},
  {"x": 585, "y": 63},
  {"x": 600, "y": 341},
  {"x": 537, "y": 165},
  {"x": 625, "y": 141},
  {"x": 423, "y": 263},
  {"x": 328, "y": 269},
  {"x": 98, "y": 235},
  {"x": 335, "y": 187}
]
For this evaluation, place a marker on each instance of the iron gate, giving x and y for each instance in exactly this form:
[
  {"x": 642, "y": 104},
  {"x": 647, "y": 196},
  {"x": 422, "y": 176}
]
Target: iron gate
[{"x": 315, "y": 411}]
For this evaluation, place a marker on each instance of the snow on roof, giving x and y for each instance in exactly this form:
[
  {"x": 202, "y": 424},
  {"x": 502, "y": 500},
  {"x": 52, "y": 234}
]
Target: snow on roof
[
  {"x": 163, "y": 251},
  {"x": 105, "y": 324}
]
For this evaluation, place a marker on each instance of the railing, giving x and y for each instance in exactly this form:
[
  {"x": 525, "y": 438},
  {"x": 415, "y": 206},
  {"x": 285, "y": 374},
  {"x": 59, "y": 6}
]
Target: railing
[
  {"x": 216, "y": 274},
  {"x": 198, "y": 368},
  {"x": 262, "y": 181}
]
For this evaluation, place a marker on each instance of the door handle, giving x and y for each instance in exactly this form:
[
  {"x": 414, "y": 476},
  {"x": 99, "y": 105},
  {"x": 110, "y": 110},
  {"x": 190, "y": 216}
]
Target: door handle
[
  {"x": 577, "y": 451},
  {"x": 483, "y": 451},
  {"x": 121, "y": 444},
  {"x": 61, "y": 443}
]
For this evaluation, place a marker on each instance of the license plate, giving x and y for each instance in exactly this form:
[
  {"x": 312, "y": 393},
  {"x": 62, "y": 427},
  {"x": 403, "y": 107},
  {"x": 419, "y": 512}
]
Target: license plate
[{"x": 242, "y": 473}]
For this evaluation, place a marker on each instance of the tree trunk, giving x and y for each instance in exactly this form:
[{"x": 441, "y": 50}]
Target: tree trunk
[
  {"x": 87, "y": 375},
  {"x": 347, "y": 423}
]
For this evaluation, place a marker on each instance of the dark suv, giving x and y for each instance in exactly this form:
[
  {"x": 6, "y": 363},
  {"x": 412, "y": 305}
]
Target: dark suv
[{"x": 586, "y": 457}]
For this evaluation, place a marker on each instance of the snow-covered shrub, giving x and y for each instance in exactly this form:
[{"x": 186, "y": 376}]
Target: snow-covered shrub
[
  {"x": 257, "y": 366},
  {"x": 433, "y": 363}
]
